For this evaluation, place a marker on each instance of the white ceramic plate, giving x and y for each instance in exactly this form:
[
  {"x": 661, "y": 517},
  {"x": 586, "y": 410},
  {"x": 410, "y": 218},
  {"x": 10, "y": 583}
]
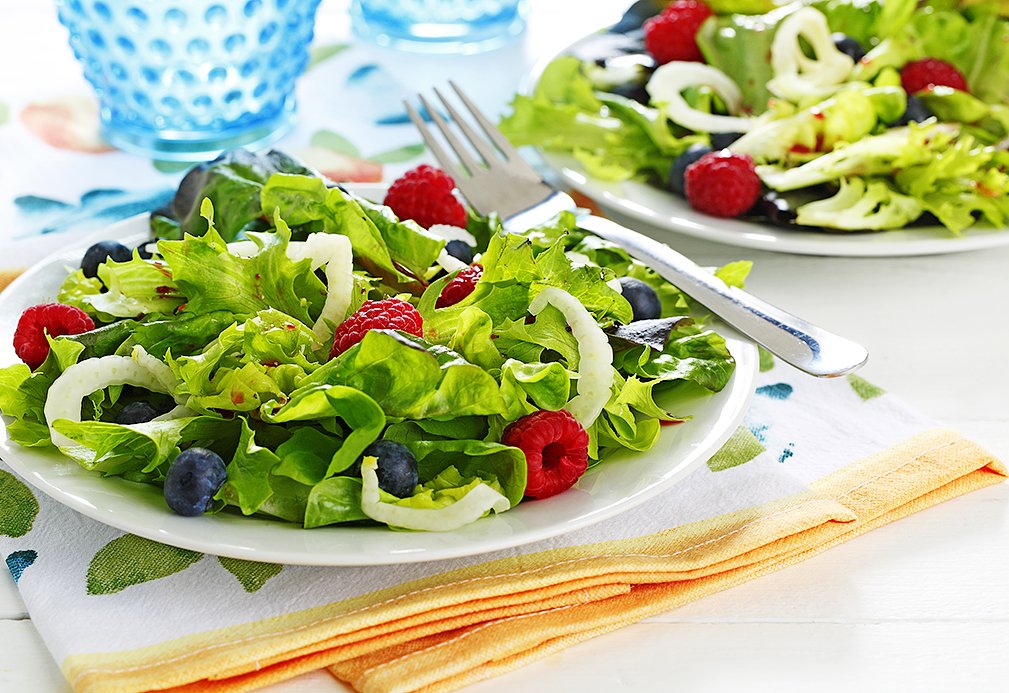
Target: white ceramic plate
[
  {"x": 612, "y": 487},
  {"x": 669, "y": 212}
]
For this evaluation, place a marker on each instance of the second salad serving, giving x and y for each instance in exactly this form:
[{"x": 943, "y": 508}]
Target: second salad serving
[{"x": 832, "y": 115}]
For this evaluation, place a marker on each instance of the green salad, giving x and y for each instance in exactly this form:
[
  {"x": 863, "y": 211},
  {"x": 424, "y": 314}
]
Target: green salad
[
  {"x": 225, "y": 329},
  {"x": 814, "y": 92}
]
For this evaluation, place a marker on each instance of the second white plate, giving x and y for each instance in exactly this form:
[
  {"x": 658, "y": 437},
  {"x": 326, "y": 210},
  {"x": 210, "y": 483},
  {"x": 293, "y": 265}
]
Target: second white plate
[{"x": 666, "y": 211}]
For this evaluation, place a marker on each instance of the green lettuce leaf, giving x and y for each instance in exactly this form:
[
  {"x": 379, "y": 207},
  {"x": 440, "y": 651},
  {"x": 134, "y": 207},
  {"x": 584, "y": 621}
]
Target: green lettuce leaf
[
  {"x": 616, "y": 140},
  {"x": 76, "y": 288},
  {"x": 699, "y": 357},
  {"x": 527, "y": 387},
  {"x": 136, "y": 287},
  {"x": 975, "y": 41},
  {"x": 376, "y": 235},
  {"x": 232, "y": 183},
  {"x": 183, "y": 335},
  {"x": 333, "y": 500},
  {"x": 260, "y": 360},
  {"x": 213, "y": 279},
  {"x": 413, "y": 379},
  {"x": 248, "y": 484},
  {"x": 145, "y": 448},
  {"x": 526, "y": 342},
  {"x": 360, "y": 413},
  {"x": 23, "y": 392}
]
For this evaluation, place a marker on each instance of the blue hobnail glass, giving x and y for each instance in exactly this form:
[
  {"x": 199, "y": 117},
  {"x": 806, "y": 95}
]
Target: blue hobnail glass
[
  {"x": 439, "y": 26},
  {"x": 187, "y": 79}
]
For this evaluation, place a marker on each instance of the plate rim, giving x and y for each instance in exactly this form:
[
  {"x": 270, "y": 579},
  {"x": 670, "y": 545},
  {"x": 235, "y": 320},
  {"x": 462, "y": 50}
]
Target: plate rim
[
  {"x": 204, "y": 533},
  {"x": 746, "y": 234}
]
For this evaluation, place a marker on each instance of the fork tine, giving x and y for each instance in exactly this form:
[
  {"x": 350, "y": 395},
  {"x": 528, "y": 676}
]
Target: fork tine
[
  {"x": 439, "y": 153},
  {"x": 468, "y": 162},
  {"x": 478, "y": 142},
  {"x": 500, "y": 141}
]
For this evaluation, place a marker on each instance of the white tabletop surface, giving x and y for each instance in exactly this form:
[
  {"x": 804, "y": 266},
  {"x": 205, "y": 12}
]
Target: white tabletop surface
[{"x": 918, "y": 605}]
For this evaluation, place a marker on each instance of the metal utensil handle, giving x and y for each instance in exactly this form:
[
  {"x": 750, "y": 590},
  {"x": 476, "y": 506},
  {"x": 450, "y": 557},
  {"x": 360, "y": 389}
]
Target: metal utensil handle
[{"x": 794, "y": 340}]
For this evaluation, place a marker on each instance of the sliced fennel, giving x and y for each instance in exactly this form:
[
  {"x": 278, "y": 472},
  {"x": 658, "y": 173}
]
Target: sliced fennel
[
  {"x": 449, "y": 263},
  {"x": 451, "y": 233},
  {"x": 335, "y": 252},
  {"x": 595, "y": 356},
  {"x": 670, "y": 79},
  {"x": 81, "y": 379},
  {"x": 480, "y": 499},
  {"x": 798, "y": 77}
]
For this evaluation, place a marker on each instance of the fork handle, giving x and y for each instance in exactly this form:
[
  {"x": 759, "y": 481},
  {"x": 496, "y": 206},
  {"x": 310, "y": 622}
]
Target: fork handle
[{"x": 794, "y": 340}]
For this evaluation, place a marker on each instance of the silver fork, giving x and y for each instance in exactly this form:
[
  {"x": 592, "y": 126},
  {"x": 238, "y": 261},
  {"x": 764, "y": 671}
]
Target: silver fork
[{"x": 505, "y": 183}]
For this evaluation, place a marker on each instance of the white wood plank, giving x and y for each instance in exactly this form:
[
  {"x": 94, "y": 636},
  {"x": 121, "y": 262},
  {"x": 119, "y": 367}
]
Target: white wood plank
[
  {"x": 11, "y": 605},
  {"x": 943, "y": 356},
  {"x": 945, "y": 564},
  {"x": 776, "y": 658},
  {"x": 25, "y": 664}
]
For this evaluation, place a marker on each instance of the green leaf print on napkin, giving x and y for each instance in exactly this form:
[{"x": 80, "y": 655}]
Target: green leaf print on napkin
[
  {"x": 252, "y": 574},
  {"x": 863, "y": 388},
  {"x": 338, "y": 143},
  {"x": 398, "y": 155},
  {"x": 18, "y": 506},
  {"x": 742, "y": 447},
  {"x": 131, "y": 560},
  {"x": 319, "y": 53}
]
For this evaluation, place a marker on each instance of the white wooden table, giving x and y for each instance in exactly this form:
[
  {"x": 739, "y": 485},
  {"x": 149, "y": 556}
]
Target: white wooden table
[{"x": 919, "y": 605}]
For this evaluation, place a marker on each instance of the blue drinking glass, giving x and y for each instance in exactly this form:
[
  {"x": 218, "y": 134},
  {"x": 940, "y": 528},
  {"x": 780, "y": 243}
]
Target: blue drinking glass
[
  {"x": 187, "y": 79},
  {"x": 439, "y": 26}
]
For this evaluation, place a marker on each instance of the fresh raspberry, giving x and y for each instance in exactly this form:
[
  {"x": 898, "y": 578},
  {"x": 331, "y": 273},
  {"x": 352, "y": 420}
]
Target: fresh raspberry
[
  {"x": 556, "y": 449},
  {"x": 722, "y": 183},
  {"x": 460, "y": 287},
  {"x": 387, "y": 314},
  {"x": 671, "y": 35},
  {"x": 930, "y": 72},
  {"x": 424, "y": 194},
  {"x": 30, "y": 343}
]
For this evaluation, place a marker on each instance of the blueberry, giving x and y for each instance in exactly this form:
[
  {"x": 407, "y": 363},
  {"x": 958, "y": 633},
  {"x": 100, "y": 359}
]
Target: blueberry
[
  {"x": 645, "y": 304},
  {"x": 460, "y": 250},
  {"x": 916, "y": 112},
  {"x": 680, "y": 163},
  {"x": 136, "y": 412},
  {"x": 849, "y": 47},
  {"x": 721, "y": 140},
  {"x": 397, "y": 467},
  {"x": 148, "y": 249},
  {"x": 165, "y": 405},
  {"x": 100, "y": 252},
  {"x": 633, "y": 91},
  {"x": 636, "y": 15},
  {"x": 193, "y": 478}
]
